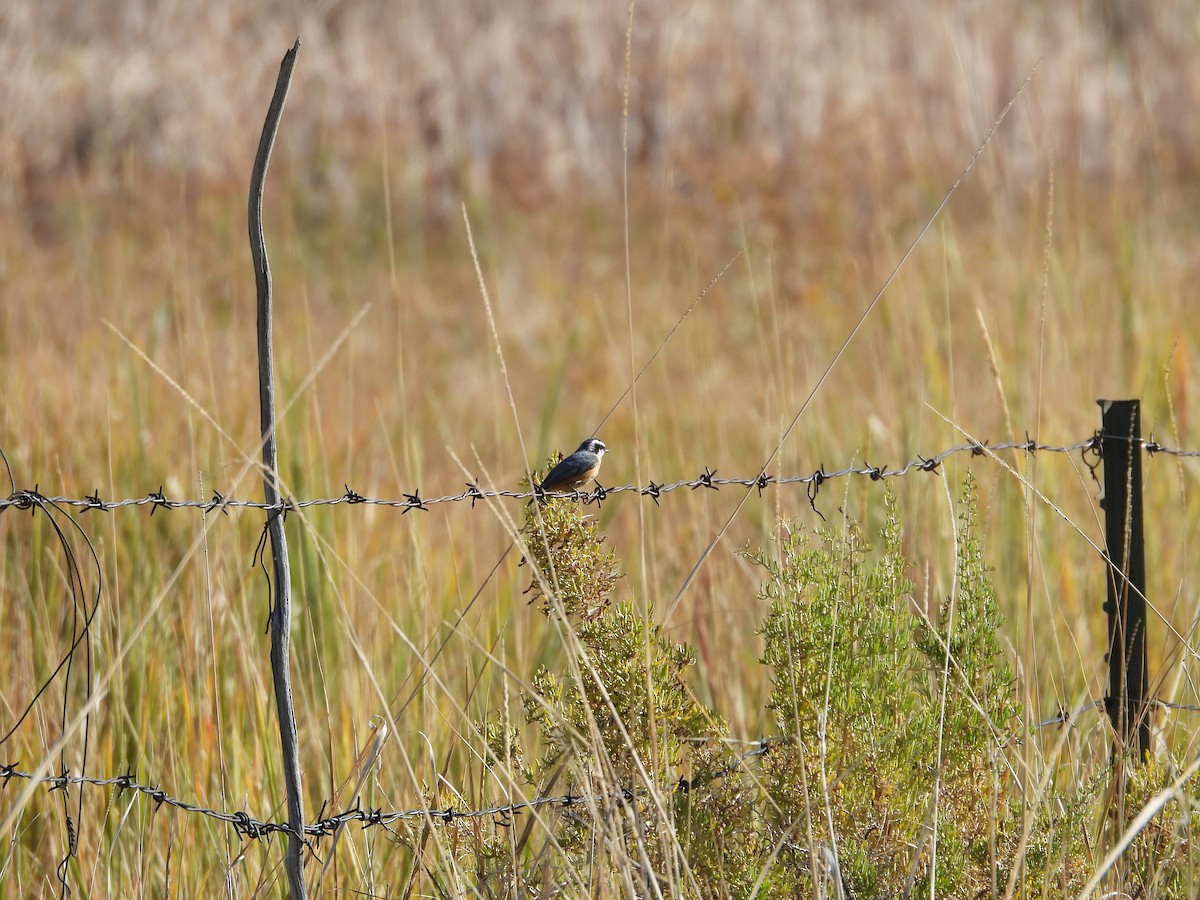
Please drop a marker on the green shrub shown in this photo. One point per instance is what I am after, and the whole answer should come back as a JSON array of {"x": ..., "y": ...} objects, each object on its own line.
[
  {"x": 872, "y": 760},
  {"x": 890, "y": 772},
  {"x": 618, "y": 727}
]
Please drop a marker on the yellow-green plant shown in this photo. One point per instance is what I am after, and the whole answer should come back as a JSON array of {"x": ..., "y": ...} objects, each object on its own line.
[
  {"x": 618, "y": 727},
  {"x": 893, "y": 771}
]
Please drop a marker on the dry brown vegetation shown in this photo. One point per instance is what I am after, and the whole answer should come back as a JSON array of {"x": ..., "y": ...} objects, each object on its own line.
[{"x": 813, "y": 139}]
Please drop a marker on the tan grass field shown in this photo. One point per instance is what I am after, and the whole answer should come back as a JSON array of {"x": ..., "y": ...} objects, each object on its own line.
[{"x": 811, "y": 141}]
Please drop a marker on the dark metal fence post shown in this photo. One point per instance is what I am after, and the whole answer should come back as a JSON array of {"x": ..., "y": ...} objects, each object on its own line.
[{"x": 1121, "y": 447}]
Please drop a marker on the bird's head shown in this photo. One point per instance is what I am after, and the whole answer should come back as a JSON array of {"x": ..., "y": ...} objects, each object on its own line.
[{"x": 593, "y": 445}]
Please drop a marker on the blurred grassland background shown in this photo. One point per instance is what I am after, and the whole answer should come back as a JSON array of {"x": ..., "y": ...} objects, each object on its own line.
[{"x": 812, "y": 138}]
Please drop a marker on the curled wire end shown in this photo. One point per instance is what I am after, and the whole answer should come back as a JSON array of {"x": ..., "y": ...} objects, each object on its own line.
[{"x": 814, "y": 487}]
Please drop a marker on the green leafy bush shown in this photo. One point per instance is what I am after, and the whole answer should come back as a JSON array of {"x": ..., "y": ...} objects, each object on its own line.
[
  {"x": 892, "y": 770},
  {"x": 893, "y": 747}
]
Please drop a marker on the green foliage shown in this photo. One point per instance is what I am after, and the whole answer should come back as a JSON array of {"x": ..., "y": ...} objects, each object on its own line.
[
  {"x": 890, "y": 771},
  {"x": 619, "y": 720},
  {"x": 875, "y": 763},
  {"x": 1162, "y": 860},
  {"x": 627, "y": 693},
  {"x": 574, "y": 574}
]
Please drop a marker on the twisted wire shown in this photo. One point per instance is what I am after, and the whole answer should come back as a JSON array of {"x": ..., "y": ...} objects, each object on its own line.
[{"x": 708, "y": 479}]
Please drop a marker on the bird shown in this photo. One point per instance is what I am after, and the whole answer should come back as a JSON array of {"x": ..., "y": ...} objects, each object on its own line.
[{"x": 577, "y": 469}]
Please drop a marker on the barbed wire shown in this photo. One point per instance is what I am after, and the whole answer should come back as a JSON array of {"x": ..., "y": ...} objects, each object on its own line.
[
  {"x": 156, "y": 500},
  {"x": 1066, "y": 716},
  {"x": 249, "y": 827},
  {"x": 325, "y": 826}
]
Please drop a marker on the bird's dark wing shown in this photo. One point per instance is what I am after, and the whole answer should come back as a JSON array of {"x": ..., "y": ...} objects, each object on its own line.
[{"x": 571, "y": 467}]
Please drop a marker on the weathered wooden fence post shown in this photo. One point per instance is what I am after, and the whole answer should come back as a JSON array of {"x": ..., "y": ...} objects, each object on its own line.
[
  {"x": 281, "y": 611},
  {"x": 1121, "y": 447}
]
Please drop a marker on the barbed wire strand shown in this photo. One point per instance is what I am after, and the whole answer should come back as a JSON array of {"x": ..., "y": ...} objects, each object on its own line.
[
  {"x": 28, "y": 498},
  {"x": 249, "y": 827}
]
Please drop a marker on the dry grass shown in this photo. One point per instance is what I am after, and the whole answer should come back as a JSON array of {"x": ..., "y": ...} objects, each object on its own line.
[{"x": 812, "y": 139}]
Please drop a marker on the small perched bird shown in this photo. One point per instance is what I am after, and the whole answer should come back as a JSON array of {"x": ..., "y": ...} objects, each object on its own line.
[{"x": 577, "y": 469}]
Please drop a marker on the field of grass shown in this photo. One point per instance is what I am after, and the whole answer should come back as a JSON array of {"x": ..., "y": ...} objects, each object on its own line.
[{"x": 806, "y": 142}]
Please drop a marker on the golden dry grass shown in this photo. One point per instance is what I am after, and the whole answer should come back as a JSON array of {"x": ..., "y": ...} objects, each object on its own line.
[{"x": 813, "y": 139}]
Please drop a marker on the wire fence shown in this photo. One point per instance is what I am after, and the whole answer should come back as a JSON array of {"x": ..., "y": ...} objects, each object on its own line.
[
  {"x": 252, "y": 828},
  {"x": 23, "y": 499}
]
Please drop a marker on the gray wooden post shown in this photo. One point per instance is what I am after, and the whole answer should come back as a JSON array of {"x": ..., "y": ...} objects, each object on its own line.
[{"x": 281, "y": 612}]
